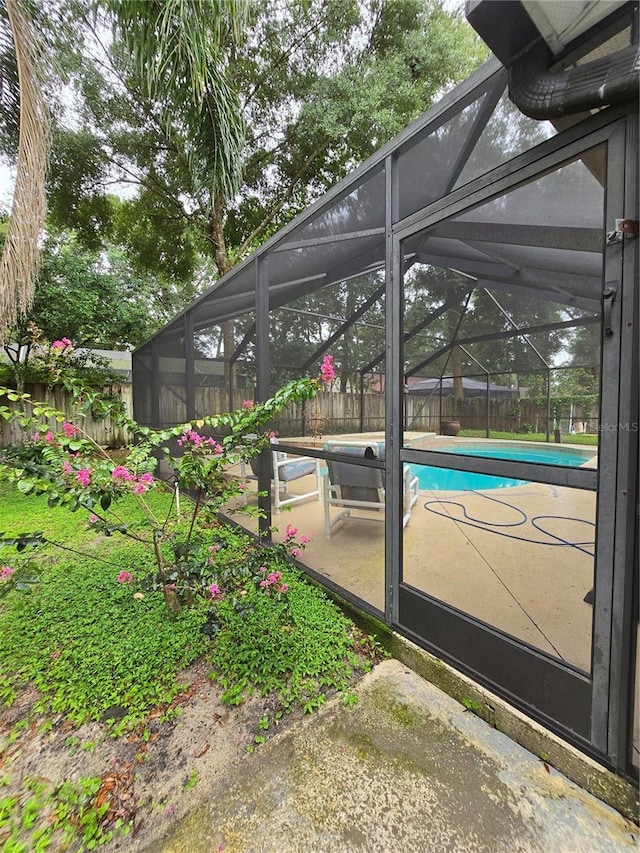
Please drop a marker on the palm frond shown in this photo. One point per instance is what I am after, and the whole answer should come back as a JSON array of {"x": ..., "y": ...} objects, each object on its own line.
[
  {"x": 176, "y": 49},
  {"x": 216, "y": 140},
  {"x": 21, "y": 253},
  {"x": 9, "y": 89}
]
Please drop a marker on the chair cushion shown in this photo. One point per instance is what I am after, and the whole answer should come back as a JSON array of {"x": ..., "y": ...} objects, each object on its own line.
[{"x": 293, "y": 470}]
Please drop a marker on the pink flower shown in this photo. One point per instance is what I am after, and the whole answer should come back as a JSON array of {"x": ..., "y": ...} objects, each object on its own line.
[
  {"x": 304, "y": 540},
  {"x": 145, "y": 481},
  {"x": 122, "y": 475},
  {"x": 290, "y": 532},
  {"x": 93, "y": 518},
  {"x": 49, "y": 436},
  {"x": 83, "y": 476},
  {"x": 296, "y": 552},
  {"x": 125, "y": 577},
  {"x": 247, "y": 404},
  {"x": 214, "y": 590},
  {"x": 61, "y": 345},
  {"x": 272, "y": 435},
  {"x": 327, "y": 370},
  {"x": 190, "y": 436},
  {"x": 273, "y": 582},
  {"x": 69, "y": 430},
  {"x": 67, "y": 467},
  {"x": 55, "y": 655},
  {"x": 6, "y": 572},
  {"x": 36, "y": 436}
]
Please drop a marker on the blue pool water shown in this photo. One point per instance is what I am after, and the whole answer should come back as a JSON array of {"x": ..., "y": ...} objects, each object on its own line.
[{"x": 445, "y": 479}]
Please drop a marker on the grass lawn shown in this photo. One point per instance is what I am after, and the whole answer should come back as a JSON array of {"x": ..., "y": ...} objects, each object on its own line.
[
  {"x": 97, "y": 652},
  {"x": 575, "y": 438},
  {"x": 79, "y": 636}
]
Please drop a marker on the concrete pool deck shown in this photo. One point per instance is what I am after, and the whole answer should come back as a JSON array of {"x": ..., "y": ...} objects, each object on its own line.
[
  {"x": 526, "y": 583},
  {"x": 499, "y": 555}
]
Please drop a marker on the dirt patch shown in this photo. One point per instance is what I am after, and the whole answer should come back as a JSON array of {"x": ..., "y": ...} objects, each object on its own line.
[{"x": 149, "y": 778}]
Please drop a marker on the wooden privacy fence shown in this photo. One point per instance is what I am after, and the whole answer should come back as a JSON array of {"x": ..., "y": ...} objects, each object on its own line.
[
  {"x": 332, "y": 413},
  {"x": 329, "y": 414},
  {"x": 101, "y": 430}
]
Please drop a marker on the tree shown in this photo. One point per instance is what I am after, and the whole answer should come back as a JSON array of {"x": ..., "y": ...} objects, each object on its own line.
[
  {"x": 19, "y": 261},
  {"x": 321, "y": 85},
  {"x": 175, "y": 49},
  {"x": 93, "y": 298}
]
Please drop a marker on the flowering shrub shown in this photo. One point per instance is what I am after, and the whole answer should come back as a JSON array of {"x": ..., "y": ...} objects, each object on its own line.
[
  {"x": 273, "y": 582},
  {"x": 327, "y": 370},
  {"x": 62, "y": 345},
  {"x": 22, "y": 577},
  {"x": 65, "y": 464},
  {"x": 33, "y": 359}
]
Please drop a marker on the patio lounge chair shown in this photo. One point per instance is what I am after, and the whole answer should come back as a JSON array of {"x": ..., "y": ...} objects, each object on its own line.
[
  {"x": 284, "y": 470},
  {"x": 356, "y": 487}
]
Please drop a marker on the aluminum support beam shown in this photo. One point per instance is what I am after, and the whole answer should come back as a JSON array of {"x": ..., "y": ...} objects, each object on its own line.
[
  {"x": 263, "y": 386},
  {"x": 393, "y": 397}
]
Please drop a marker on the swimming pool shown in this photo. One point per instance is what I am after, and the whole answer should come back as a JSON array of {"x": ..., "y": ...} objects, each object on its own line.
[{"x": 446, "y": 479}]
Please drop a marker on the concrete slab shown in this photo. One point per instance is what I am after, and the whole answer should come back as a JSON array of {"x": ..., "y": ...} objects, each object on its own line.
[{"x": 406, "y": 768}]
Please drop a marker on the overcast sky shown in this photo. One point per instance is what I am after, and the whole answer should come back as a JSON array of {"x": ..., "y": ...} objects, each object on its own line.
[{"x": 6, "y": 187}]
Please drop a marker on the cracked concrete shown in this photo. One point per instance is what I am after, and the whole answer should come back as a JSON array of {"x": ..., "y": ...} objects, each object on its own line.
[{"x": 408, "y": 769}]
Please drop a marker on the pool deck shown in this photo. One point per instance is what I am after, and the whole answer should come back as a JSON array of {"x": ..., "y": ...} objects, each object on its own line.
[{"x": 500, "y": 556}]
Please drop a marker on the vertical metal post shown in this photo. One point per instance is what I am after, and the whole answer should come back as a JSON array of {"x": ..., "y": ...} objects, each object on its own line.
[
  {"x": 548, "y": 403},
  {"x": 189, "y": 367},
  {"x": 619, "y": 733},
  {"x": 488, "y": 427},
  {"x": 156, "y": 386},
  {"x": 394, "y": 381},
  {"x": 615, "y": 521},
  {"x": 263, "y": 385}
]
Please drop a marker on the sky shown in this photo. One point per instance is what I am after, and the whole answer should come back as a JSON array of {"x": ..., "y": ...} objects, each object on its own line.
[{"x": 6, "y": 187}]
